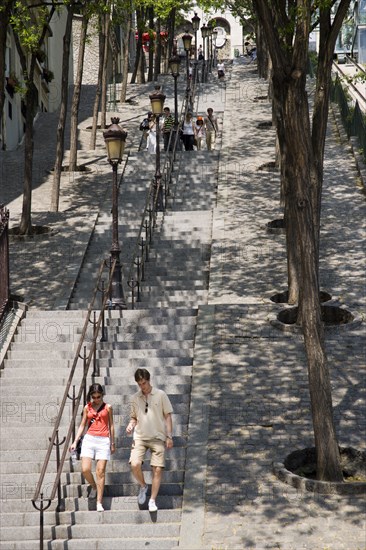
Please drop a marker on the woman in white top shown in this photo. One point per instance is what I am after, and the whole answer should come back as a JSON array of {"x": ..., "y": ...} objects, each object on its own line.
[
  {"x": 188, "y": 132},
  {"x": 151, "y": 138}
]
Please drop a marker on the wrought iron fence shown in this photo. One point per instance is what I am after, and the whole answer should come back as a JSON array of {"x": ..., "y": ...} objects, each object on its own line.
[
  {"x": 352, "y": 117},
  {"x": 4, "y": 261}
]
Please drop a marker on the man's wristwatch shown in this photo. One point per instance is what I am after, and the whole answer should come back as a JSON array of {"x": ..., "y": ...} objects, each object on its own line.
[{"x": 169, "y": 436}]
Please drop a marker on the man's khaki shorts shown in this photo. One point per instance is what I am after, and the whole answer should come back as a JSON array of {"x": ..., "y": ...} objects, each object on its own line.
[{"x": 157, "y": 448}]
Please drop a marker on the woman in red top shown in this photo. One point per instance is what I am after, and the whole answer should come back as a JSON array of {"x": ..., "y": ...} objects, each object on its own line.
[{"x": 98, "y": 442}]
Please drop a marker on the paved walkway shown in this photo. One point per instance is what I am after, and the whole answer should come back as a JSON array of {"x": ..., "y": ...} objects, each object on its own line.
[
  {"x": 253, "y": 385},
  {"x": 250, "y": 403}
]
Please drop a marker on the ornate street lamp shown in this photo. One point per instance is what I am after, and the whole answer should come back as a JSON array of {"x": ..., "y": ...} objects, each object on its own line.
[
  {"x": 187, "y": 41},
  {"x": 195, "y": 25},
  {"x": 115, "y": 140},
  {"x": 157, "y": 99},
  {"x": 214, "y": 36},
  {"x": 204, "y": 31},
  {"x": 174, "y": 64},
  {"x": 209, "y": 45}
]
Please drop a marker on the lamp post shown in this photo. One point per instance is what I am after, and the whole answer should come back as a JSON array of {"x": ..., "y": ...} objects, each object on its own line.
[
  {"x": 214, "y": 36},
  {"x": 204, "y": 36},
  {"x": 157, "y": 99},
  {"x": 209, "y": 45},
  {"x": 174, "y": 63},
  {"x": 187, "y": 40},
  {"x": 115, "y": 140},
  {"x": 195, "y": 25}
]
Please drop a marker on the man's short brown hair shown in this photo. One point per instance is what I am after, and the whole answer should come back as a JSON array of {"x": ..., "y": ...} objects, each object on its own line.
[{"x": 142, "y": 374}]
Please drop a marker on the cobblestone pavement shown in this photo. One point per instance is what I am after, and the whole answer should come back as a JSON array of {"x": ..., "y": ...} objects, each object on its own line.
[{"x": 259, "y": 408}]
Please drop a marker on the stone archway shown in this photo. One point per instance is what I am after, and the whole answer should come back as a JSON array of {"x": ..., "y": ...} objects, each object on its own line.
[{"x": 223, "y": 40}]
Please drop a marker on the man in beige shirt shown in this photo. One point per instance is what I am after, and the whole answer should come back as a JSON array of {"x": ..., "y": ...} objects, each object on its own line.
[{"x": 151, "y": 422}]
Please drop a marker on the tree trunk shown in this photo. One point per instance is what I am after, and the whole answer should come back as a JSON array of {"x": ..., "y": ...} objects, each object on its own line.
[
  {"x": 76, "y": 97},
  {"x": 103, "y": 108},
  {"x": 171, "y": 31},
  {"x": 158, "y": 50},
  {"x": 55, "y": 196},
  {"x": 125, "y": 56},
  {"x": 93, "y": 137},
  {"x": 328, "y": 35},
  {"x": 150, "y": 74},
  {"x": 289, "y": 57},
  {"x": 28, "y": 64},
  {"x": 26, "y": 219},
  {"x": 5, "y": 17},
  {"x": 140, "y": 20}
]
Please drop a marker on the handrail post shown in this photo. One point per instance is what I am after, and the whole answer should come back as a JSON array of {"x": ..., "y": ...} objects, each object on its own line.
[
  {"x": 41, "y": 510},
  {"x": 138, "y": 278},
  {"x": 57, "y": 444},
  {"x": 102, "y": 290},
  {"x": 96, "y": 371},
  {"x": 85, "y": 366},
  {"x": 132, "y": 284},
  {"x": 73, "y": 398},
  {"x": 143, "y": 253}
]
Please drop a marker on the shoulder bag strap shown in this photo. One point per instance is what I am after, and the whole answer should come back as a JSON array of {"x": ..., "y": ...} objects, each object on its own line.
[{"x": 212, "y": 124}]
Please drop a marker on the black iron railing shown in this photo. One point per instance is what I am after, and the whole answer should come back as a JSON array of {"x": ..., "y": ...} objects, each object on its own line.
[
  {"x": 86, "y": 351},
  {"x": 156, "y": 202},
  {"x": 354, "y": 121},
  {"x": 4, "y": 261}
]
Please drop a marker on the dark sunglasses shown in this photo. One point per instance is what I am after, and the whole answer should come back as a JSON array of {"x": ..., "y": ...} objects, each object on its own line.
[{"x": 146, "y": 406}]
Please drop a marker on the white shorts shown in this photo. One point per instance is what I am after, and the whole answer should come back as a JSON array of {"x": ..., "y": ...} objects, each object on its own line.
[{"x": 96, "y": 447}]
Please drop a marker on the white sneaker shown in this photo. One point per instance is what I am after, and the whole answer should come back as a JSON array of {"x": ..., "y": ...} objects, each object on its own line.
[
  {"x": 152, "y": 506},
  {"x": 93, "y": 493},
  {"x": 142, "y": 495},
  {"x": 100, "y": 507}
]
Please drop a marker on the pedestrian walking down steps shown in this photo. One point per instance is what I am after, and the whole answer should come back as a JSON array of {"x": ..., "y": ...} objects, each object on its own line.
[{"x": 152, "y": 428}]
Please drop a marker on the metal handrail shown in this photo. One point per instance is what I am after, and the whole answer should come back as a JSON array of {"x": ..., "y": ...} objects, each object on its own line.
[
  {"x": 4, "y": 260},
  {"x": 38, "y": 495},
  {"x": 148, "y": 221}
]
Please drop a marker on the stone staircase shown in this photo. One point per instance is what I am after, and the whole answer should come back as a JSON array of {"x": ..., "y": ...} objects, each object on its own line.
[{"x": 158, "y": 335}]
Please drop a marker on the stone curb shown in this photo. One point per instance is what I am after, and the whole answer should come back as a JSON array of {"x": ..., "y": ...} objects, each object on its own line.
[
  {"x": 194, "y": 493},
  {"x": 315, "y": 486}
]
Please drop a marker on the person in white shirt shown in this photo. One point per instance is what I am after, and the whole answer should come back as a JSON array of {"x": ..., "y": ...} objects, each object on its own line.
[
  {"x": 151, "y": 422},
  {"x": 220, "y": 70},
  {"x": 212, "y": 129}
]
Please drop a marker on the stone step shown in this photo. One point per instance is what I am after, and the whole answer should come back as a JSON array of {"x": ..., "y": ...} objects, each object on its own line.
[
  {"x": 119, "y": 460},
  {"x": 22, "y": 506},
  {"x": 113, "y": 479},
  {"x": 143, "y": 353},
  {"x": 153, "y": 364},
  {"x": 87, "y": 516},
  {"x": 172, "y": 385},
  {"x": 154, "y": 314},
  {"x": 191, "y": 300},
  {"x": 16, "y": 372},
  {"x": 117, "y": 465},
  {"x": 149, "y": 332},
  {"x": 94, "y": 531},
  {"x": 169, "y": 351},
  {"x": 121, "y": 489},
  {"x": 136, "y": 343}
]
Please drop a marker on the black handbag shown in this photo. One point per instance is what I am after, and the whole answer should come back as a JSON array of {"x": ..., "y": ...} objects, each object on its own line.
[{"x": 78, "y": 447}]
